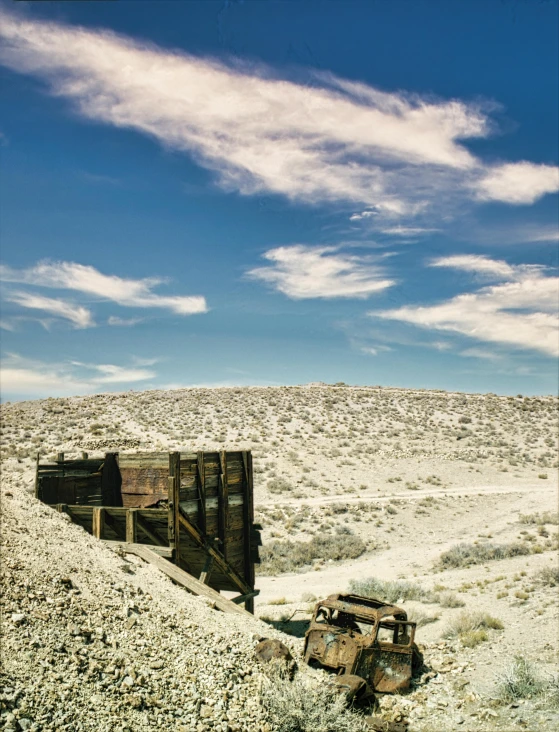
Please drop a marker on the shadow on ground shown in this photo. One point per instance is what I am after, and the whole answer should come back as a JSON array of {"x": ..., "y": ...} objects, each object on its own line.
[{"x": 298, "y": 628}]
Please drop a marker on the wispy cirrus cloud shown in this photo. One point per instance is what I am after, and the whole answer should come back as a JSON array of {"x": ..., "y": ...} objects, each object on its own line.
[
  {"x": 334, "y": 140},
  {"x": 22, "y": 377},
  {"x": 79, "y": 316},
  {"x": 520, "y": 311},
  {"x": 303, "y": 272},
  {"x": 88, "y": 280}
]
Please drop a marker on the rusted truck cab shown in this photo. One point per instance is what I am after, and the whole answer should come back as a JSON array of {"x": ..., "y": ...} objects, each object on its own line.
[{"x": 359, "y": 636}]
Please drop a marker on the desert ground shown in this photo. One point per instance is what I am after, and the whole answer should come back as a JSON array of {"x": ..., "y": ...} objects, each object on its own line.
[{"x": 444, "y": 503}]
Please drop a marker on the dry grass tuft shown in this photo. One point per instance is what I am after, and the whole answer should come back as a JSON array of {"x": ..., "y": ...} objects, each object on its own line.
[
  {"x": 303, "y": 706},
  {"x": 465, "y": 555},
  {"x": 278, "y": 557},
  {"x": 470, "y": 627}
]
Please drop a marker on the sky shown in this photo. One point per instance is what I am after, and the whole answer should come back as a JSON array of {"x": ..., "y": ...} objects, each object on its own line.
[{"x": 275, "y": 193}]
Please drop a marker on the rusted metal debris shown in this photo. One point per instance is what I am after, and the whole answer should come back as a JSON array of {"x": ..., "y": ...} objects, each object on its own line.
[
  {"x": 354, "y": 636},
  {"x": 270, "y": 648}
]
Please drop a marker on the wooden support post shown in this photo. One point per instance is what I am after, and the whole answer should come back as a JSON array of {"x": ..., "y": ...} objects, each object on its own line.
[
  {"x": 37, "y": 478},
  {"x": 170, "y": 512},
  {"x": 84, "y": 456},
  {"x": 201, "y": 493},
  {"x": 175, "y": 479},
  {"x": 205, "y": 574},
  {"x": 60, "y": 457},
  {"x": 248, "y": 516},
  {"x": 223, "y": 503},
  {"x": 97, "y": 522},
  {"x": 131, "y": 525},
  {"x": 62, "y": 507}
]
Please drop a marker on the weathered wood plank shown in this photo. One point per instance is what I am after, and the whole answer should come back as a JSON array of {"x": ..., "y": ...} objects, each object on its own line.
[
  {"x": 150, "y": 531},
  {"x": 98, "y": 522},
  {"x": 186, "y": 580},
  {"x": 243, "y": 598},
  {"x": 162, "y": 551},
  {"x": 201, "y": 493},
  {"x": 132, "y": 525},
  {"x": 219, "y": 560}
]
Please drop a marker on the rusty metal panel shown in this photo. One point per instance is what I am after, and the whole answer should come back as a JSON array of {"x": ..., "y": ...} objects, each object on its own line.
[{"x": 343, "y": 637}]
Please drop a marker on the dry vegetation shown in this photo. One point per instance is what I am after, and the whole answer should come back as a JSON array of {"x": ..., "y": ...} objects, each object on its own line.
[{"x": 442, "y": 502}]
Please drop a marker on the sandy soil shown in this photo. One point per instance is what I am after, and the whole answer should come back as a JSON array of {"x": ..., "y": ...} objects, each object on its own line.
[{"x": 409, "y": 473}]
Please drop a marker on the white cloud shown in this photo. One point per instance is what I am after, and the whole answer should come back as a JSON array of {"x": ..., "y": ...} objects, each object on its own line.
[
  {"x": 20, "y": 376},
  {"x": 374, "y": 351},
  {"x": 88, "y": 280},
  {"x": 111, "y": 374},
  {"x": 319, "y": 272},
  {"x": 481, "y": 353},
  {"x": 81, "y": 317},
  {"x": 520, "y": 312},
  {"x": 335, "y": 140},
  {"x": 408, "y": 230},
  {"x": 518, "y": 183},
  {"x": 496, "y": 268},
  {"x": 115, "y": 320}
]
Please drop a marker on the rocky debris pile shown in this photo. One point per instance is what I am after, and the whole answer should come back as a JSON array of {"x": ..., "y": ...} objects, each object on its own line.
[{"x": 94, "y": 641}]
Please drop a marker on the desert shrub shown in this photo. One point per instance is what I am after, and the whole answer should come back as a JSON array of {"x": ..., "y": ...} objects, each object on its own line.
[
  {"x": 449, "y": 599},
  {"x": 549, "y": 576},
  {"x": 546, "y": 517},
  {"x": 278, "y": 485},
  {"x": 303, "y": 706},
  {"x": 278, "y": 557},
  {"x": 473, "y": 638},
  {"x": 465, "y": 627},
  {"x": 521, "y": 680},
  {"x": 390, "y": 590},
  {"x": 419, "y": 616},
  {"x": 464, "y": 555}
]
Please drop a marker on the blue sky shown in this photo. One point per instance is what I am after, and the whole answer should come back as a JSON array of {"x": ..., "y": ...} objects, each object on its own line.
[{"x": 278, "y": 193}]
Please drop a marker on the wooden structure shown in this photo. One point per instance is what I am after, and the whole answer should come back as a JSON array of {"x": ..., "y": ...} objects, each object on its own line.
[{"x": 195, "y": 509}]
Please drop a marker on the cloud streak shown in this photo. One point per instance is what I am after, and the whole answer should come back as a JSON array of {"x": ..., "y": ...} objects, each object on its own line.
[
  {"x": 335, "y": 140},
  {"x": 303, "y": 272},
  {"x": 520, "y": 311},
  {"x": 20, "y": 376},
  {"x": 89, "y": 281},
  {"x": 79, "y": 316}
]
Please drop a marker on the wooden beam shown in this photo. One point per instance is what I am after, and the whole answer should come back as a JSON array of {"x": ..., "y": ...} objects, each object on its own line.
[
  {"x": 248, "y": 521},
  {"x": 174, "y": 498},
  {"x": 186, "y": 580},
  {"x": 245, "y": 598},
  {"x": 207, "y": 570},
  {"x": 131, "y": 525},
  {"x": 148, "y": 531},
  {"x": 37, "y": 477},
  {"x": 170, "y": 512},
  {"x": 162, "y": 551},
  {"x": 219, "y": 560},
  {"x": 97, "y": 522},
  {"x": 201, "y": 493},
  {"x": 223, "y": 503}
]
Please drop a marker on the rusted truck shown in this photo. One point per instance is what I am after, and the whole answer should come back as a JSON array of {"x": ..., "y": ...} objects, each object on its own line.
[{"x": 368, "y": 644}]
